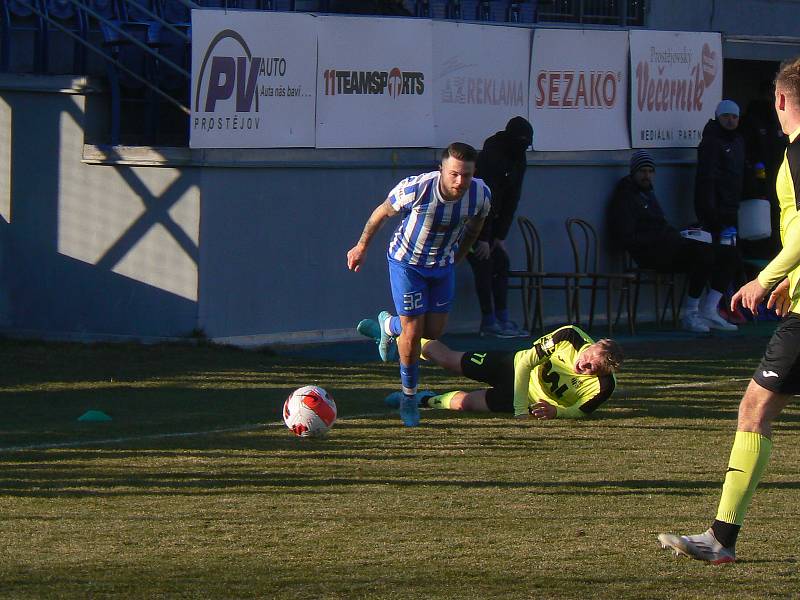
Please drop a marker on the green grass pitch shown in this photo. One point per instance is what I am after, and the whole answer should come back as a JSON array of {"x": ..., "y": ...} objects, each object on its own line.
[{"x": 196, "y": 490}]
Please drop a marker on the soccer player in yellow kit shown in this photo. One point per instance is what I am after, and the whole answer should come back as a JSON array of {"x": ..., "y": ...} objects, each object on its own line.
[
  {"x": 565, "y": 374},
  {"x": 777, "y": 378}
]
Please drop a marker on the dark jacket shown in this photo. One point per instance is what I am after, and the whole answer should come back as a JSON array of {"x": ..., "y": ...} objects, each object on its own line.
[
  {"x": 501, "y": 164},
  {"x": 719, "y": 178},
  {"x": 636, "y": 222}
]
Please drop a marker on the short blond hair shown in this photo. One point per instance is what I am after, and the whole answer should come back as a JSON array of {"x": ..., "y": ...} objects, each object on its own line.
[
  {"x": 612, "y": 354},
  {"x": 787, "y": 81}
]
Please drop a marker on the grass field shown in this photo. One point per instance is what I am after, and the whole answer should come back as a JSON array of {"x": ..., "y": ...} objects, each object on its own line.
[{"x": 196, "y": 490}]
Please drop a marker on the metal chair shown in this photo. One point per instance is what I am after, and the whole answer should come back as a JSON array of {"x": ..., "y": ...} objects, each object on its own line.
[
  {"x": 586, "y": 253},
  {"x": 533, "y": 280}
]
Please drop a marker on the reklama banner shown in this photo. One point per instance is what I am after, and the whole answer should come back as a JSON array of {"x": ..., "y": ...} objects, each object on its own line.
[
  {"x": 374, "y": 83},
  {"x": 480, "y": 80},
  {"x": 579, "y": 86},
  {"x": 676, "y": 84},
  {"x": 253, "y": 79}
]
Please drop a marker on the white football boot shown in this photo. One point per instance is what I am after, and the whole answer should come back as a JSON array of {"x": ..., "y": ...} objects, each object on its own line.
[{"x": 703, "y": 546}]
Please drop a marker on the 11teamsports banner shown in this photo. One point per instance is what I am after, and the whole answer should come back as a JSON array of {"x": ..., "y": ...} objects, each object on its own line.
[
  {"x": 263, "y": 79},
  {"x": 253, "y": 79},
  {"x": 480, "y": 80},
  {"x": 676, "y": 84},
  {"x": 374, "y": 83},
  {"x": 579, "y": 87}
]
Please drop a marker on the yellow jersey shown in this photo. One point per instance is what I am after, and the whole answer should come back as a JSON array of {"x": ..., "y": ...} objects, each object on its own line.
[
  {"x": 546, "y": 372},
  {"x": 787, "y": 262}
]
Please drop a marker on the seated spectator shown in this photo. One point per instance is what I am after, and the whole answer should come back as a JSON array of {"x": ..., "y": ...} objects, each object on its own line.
[{"x": 638, "y": 225}]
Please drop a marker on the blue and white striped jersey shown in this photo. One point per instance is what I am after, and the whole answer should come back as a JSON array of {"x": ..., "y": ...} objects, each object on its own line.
[{"x": 431, "y": 228}]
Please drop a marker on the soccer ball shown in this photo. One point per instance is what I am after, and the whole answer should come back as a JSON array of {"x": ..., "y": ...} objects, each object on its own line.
[{"x": 309, "y": 411}]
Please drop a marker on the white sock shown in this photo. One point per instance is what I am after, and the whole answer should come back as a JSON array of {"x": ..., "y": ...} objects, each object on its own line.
[
  {"x": 387, "y": 326},
  {"x": 711, "y": 302},
  {"x": 691, "y": 305}
]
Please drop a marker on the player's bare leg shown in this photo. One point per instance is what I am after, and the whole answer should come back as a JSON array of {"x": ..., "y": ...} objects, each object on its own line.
[
  {"x": 474, "y": 401},
  {"x": 435, "y": 324},
  {"x": 749, "y": 456},
  {"x": 440, "y": 354}
]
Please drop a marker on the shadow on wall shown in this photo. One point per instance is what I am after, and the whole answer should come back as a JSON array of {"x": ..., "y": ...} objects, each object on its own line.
[{"x": 97, "y": 250}]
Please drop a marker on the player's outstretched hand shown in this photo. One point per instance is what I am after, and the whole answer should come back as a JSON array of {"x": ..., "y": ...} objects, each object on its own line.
[
  {"x": 355, "y": 256},
  {"x": 779, "y": 298},
  {"x": 543, "y": 410},
  {"x": 749, "y": 295}
]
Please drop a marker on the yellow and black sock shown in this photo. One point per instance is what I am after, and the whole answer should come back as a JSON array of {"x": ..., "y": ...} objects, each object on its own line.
[
  {"x": 422, "y": 343},
  {"x": 749, "y": 457},
  {"x": 442, "y": 401}
]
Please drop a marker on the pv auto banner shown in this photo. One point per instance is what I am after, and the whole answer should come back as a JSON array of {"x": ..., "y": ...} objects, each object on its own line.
[
  {"x": 253, "y": 79},
  {"x": 579, "y": 85},
  {"x": 481, "y": 80},
  {"x": 676, "y": 84},
  {"x": 374, "y": 87}
]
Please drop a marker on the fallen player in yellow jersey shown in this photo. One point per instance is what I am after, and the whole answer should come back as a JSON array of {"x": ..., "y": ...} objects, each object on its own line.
[{"x": 565, "y": 375}]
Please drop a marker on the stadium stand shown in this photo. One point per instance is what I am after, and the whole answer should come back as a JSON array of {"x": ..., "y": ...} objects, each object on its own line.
[
  {"x": 142, "y": 48},
  {"x": 23, "y": 29}
]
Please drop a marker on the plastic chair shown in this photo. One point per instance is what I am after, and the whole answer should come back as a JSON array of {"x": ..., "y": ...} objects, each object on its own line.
[
  {"x": 533, "y": 280},
  {"x": 585, "y": 251}
]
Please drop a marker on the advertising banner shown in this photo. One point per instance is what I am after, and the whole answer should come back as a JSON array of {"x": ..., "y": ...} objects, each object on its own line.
[
  {"x": 480, "y": 80},
  {"x": 579, "y": 86},
  {"x": 676, "y": 84},
  {"x": 374, "y": 87},
  {"x": 253, "y": 79}
]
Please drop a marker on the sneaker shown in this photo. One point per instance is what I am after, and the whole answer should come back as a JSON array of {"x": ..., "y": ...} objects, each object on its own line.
[
  {"x": 393, "y": 399},
  {"x": 387, "y": 347},
  {"x": 409, "y": 410},
  {"x": 369, "y": 328},
  {"x": 732, "y": 316},
  {"x": 692, "y": 321},
  {"x": 513, "y": 330},
  {"x": 715, "y": 321},
  {"x": 496, "y": 329},
  {"x": 703, "y": 546}
]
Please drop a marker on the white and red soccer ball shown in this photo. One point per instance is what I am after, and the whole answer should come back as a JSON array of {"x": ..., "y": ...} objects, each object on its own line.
[{"x": 309, "y": 411}]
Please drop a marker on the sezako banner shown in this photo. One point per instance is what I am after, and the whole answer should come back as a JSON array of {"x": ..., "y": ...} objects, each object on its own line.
[
  {"x": 676, "y": 84},
  {"x": 480, "y": 80},
  {"x": 374, "y": 83},
  {"x": 253, "y": 79},
  {"x": 579, "y": 88}
]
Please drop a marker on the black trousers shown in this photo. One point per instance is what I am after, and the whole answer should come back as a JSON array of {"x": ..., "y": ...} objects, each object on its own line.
[
  {"x": 491, "y": 280},
  {"x": 712, "y": 264}
]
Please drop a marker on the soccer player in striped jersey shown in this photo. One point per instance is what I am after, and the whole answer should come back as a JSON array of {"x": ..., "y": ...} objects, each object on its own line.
[
  {"x": 442, "y": 214},
  {"x": 564, "y": 375},
  {"x": 777, "y": 377}
]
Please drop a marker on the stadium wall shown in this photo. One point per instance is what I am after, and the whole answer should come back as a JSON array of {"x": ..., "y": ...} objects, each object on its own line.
[{"x": 246, "y": 247}]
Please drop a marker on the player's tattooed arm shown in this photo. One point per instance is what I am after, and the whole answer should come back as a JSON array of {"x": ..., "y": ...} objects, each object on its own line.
[
  {"x": 471, "y": 232},
  {"x": 356, "y": 254}
]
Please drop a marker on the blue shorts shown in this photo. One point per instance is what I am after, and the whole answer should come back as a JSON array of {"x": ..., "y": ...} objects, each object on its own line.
[{"x": 419, "y": 290}]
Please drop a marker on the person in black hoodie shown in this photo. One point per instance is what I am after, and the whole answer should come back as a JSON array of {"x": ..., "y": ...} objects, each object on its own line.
[
  {"x": 501, "y": 164},
  {"x": 637, "y": 224},
  {"x": 719, "y": 178}
]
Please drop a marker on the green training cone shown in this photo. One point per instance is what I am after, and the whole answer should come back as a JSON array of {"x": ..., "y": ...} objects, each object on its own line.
[{"x": 94, "y": 416}]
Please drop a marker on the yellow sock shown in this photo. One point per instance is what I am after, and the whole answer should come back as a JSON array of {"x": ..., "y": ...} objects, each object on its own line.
[
  {"x": 441, "y": 401},
  {"x": 422, "y": 343},
  {"x": 749, "y": 457}
]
